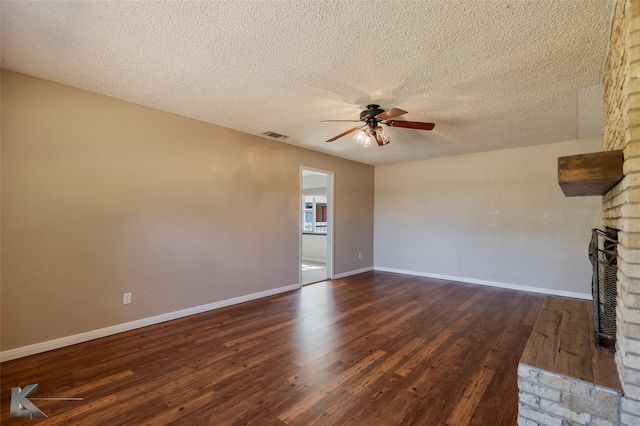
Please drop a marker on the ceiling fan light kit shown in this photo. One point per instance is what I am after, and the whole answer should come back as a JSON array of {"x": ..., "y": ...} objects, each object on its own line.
[
  {"x": 372, "y": 132},
  {"x": 364, "y": 138},
  {"x": 368, "y": 137},
  {"x": 381, "y": 136}
]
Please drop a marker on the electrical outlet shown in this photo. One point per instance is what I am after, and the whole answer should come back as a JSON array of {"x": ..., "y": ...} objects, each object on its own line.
[
  {"x": 127, "y": 299},
  {"x": 458, "y": 262},
  {"x": 359, "y": 255}
]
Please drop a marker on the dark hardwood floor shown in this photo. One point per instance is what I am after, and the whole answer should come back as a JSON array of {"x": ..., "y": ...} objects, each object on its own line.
[{"x": 371, "y": 349}]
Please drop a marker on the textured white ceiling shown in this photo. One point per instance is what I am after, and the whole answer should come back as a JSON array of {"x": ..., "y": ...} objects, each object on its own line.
[{"x": 490, "y": 74}]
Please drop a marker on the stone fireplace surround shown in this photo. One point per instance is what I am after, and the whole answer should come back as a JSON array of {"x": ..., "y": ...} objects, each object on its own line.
[
  {"x": 621, "y": 205},
  {"x": 620, "y": 210}
]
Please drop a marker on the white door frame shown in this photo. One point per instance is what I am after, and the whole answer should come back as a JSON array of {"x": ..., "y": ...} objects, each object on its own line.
[{"x": 330, "y": 220}]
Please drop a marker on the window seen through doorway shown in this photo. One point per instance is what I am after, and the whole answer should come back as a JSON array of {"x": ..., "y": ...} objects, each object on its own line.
[{"x": 314, "y": 208}]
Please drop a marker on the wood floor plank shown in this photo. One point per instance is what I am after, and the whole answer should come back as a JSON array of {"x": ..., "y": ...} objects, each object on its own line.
[
  {"x": 313, "y": 400},
  {"x": 369, "y": 380},
  {"x": 465, "y": 407},
  {"x": 574, "y": 356},
  {"x": 371, "y": 349},
  {"x": 543, "y": 342}
]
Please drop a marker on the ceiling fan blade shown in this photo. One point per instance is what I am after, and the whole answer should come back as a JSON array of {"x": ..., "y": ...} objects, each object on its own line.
[
  {"x": 343, "y": 134},
  {"x": 339, "y": 121},
  {"x": 393, "y": 112},
  {"x": 410, "y": 124}
]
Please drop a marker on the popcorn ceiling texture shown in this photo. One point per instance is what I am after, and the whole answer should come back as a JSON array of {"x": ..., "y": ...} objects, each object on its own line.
[{"x": 490, "y": 74}]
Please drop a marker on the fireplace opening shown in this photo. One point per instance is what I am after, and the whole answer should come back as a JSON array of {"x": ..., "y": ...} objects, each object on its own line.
[{"x": 603, "y": 254}]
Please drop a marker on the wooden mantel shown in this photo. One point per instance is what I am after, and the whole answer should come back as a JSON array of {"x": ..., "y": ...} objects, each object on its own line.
[{"x": 589, "y": 174}]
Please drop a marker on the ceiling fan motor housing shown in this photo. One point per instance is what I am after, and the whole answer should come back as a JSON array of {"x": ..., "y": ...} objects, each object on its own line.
[{"x": 370, "y": 113}]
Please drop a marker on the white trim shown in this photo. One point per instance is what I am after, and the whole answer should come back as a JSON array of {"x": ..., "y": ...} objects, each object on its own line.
[
  {"x": 119, "y": 328},
  {"x": 354, "y": 272},
  {"x": 330, "y": 190},
  {"x": 550, "y": 291}
]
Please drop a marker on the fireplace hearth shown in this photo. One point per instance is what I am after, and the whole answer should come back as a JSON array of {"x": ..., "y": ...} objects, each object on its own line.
[{"x": 603, "y": 255}]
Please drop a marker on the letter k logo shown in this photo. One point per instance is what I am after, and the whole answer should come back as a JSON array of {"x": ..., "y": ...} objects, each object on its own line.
[{"x": 20, "y": 404}]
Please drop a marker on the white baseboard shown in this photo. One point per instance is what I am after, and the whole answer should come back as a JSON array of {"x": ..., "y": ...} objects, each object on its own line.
[
  {"x": 119, "y": 328},
  {"x": 314, "y": 259},
  {"x": 549, "y": 291},
  {"x": 354, "y": 272}
]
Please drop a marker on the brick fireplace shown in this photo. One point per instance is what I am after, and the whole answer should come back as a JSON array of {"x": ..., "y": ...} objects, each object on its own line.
[
  {"x": 549, "y": 397},
  {"x": 621, "y": 205}
]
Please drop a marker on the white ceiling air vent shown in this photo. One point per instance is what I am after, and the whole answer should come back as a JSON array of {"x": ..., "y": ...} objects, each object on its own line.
[{"x": 275, "y": 135}]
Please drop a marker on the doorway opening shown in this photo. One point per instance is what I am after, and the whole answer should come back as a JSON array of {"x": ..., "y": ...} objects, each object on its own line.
[{"x": 316, "y": 226}]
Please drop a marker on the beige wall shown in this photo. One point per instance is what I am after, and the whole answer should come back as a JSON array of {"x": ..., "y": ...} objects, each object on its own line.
[
  {"x": 502, "y": 214},
  {"x": 102, "y": 197}
]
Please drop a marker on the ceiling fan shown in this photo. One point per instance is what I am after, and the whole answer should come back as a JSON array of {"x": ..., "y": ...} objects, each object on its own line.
[{"x": 372, "y": 132}]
